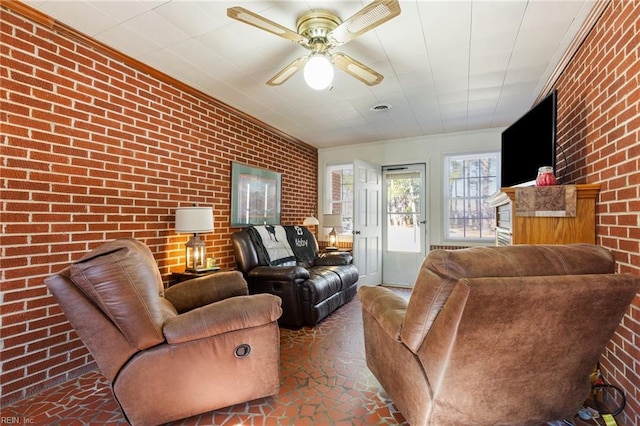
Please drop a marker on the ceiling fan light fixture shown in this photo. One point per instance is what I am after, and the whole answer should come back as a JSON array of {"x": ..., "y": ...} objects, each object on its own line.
[
  {"x": 318, "y": 72},
  {"x": 320, "y": 31}
]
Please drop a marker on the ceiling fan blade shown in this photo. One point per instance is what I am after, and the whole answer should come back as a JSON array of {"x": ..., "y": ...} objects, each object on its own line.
[
  {"x": 369, "y": 17},
  {"x": 288, "y": 71},
  {"x": 243, "y": 15},
  {"x": 356, "y": 69}
]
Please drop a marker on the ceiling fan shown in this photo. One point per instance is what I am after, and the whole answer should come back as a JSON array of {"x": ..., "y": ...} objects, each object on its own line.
[{"x": 320, "y": 31}]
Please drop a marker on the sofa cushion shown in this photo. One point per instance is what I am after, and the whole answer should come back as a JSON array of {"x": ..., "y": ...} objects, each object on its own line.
[
  {"x": 323, "y": 282},
  {"x": 348, "y": 274}
]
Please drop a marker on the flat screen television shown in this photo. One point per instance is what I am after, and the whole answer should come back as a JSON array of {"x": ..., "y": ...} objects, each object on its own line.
[{"x": 529, "y": 144}]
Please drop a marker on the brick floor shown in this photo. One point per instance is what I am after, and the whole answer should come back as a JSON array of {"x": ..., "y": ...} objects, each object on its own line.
[{"x": 324, "y": 381}]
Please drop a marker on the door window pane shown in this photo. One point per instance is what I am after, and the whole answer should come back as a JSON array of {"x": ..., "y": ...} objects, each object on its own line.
[{"x": 403, "y": 211}]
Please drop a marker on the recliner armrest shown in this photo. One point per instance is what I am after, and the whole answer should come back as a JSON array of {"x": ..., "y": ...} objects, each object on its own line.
[
  {"x": 333, "y": 259},
  {"x": 225, "y": 316},
  {"x": 386, "y": 307},
  {"x": 205, "y": 290},
  {"x": 277, "y": 273}
]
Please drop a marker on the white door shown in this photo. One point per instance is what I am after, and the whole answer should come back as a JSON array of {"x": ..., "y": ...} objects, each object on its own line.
[
  {"x": 404, "y": 223},
  {"x": 367, "y": 223}
]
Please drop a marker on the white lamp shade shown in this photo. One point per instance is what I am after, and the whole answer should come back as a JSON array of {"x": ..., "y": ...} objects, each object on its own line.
[
  {"x": 318, "y": 72},
  {"x": 310, "y": 221},
  {"x": 194, "y": 219},
  {"x": 332, "y": 221}
]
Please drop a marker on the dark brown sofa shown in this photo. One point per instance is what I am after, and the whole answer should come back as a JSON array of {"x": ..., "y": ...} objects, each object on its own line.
[
  {"x": 496, "y": 335},
  {"x": 201, "y": 345},
  {"x": 310, "y": 284}
]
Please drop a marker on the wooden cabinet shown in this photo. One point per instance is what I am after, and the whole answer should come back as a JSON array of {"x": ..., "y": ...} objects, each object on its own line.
[{"x": 515, "y": 229}]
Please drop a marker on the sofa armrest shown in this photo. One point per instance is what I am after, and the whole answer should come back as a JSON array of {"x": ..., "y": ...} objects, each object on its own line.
[
  {"x": 205, "y": 290},
  {"x": 334, "y": 259},
  {"x": 278, "y": 273},
  {"x": 235, "y": 313},
  {"x": 386, "y": 307}
]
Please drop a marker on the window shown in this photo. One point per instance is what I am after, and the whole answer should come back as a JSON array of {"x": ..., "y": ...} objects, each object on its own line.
[
  {"x": 340, "y": 195},
  {"x": 471, "y": 180}
]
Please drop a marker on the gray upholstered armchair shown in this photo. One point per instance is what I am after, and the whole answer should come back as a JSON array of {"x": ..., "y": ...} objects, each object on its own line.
[
  {"x": 496, "y": 335},
  {"x": 201, "y": 345}
]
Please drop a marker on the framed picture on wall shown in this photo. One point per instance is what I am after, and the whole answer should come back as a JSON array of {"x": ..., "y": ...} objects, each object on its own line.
[{"x": 255, "y": 196}]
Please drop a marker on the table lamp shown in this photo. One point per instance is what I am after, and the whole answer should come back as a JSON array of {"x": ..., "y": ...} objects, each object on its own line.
[
  {"x": 332, "y": 221},
  {"x": 194, "y": 220}
]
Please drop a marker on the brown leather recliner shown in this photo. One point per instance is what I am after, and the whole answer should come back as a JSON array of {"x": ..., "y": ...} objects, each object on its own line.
[
  {"x": 496, "y": 335},
  {"x": 201, "y": 345}
]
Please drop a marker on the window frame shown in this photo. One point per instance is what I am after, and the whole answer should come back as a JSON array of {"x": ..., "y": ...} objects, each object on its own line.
[
  {"x": 330, "y": 202},
  {"x": 483, "y": 197}
]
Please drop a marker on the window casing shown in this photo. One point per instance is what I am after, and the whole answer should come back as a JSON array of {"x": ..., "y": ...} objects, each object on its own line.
[
  {"x": 471, "y": 180},
  {"x": 339, "y": 198}
]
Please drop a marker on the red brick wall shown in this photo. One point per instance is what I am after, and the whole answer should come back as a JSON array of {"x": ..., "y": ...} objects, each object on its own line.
[
  {"x": 93, "y": 149},
  {"x": 599, "y": 129}
]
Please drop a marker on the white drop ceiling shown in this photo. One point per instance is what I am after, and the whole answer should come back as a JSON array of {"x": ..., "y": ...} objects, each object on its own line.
[{"x": 448, "y": 66}]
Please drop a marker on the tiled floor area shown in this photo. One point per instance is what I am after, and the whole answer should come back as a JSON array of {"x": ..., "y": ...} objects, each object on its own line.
[{"x": 325, "y": 381}]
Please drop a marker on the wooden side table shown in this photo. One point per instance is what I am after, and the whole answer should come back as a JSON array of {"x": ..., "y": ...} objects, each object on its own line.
[{"x": 178, "y": 277}]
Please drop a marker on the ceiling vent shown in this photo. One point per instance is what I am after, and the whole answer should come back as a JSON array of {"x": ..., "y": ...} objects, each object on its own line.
[{"x": 380, "y": 107}]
